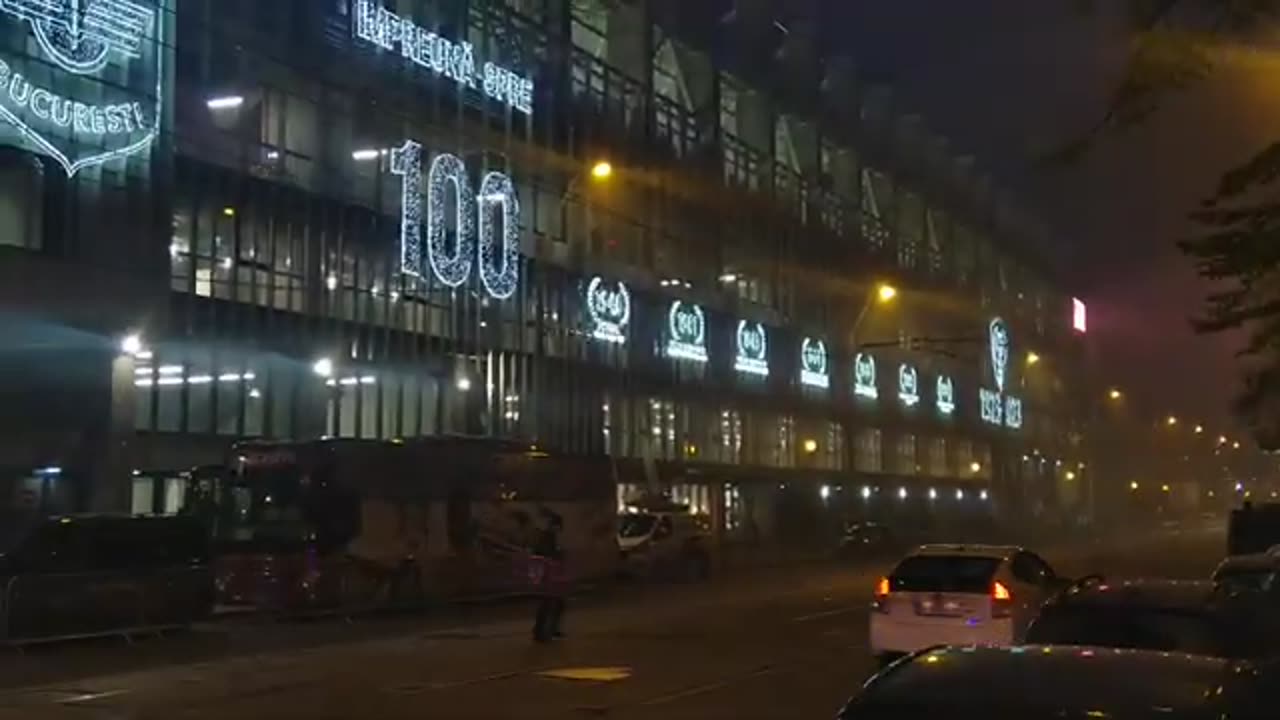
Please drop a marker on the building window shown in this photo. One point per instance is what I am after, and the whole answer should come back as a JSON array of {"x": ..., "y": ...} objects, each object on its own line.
[
  {"x": 784, "y": 444},
  {"x": 733, "y": 508},
  {"x": 905, "y": 462},
  {"x": 867, "y": 455},
  {"x": 835, "y": 446},
  {"x": 696, "y": 497},
  {"x": 731, "y": 437},
  {"x": 938, "y": 457}
]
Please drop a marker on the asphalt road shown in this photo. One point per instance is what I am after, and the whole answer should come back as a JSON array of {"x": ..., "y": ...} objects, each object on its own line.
[{"x": 786, "y": 643}]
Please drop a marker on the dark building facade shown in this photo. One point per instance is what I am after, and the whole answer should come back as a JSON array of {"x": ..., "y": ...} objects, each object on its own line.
[{"x": 629, "y": 228}]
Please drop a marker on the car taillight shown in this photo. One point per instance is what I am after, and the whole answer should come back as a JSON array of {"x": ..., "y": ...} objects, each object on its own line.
[
  {"x": 882, "y": 595},
  {"x": 1001, "y": 600}
]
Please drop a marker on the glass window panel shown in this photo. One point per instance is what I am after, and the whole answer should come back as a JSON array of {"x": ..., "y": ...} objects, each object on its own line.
[
  {"x": 142, "y": 500},
  {"x": 346, "y": 411},
  {"x": 175, "y": 490},
  {"x": 200, "y": 379},
  {"x": 389, "y": 389},
  {"x": 281, "y": 391},
  {"x": 143, "y": 394},
  {"x": 368, "y": 408},
  {"x": 409, "y": 402}
]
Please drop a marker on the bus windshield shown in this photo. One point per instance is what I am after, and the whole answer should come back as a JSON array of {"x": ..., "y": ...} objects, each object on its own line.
[{"x": 264, "y": 507}]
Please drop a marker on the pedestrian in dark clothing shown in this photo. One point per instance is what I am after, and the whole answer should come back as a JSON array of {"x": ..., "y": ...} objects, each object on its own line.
[{"x": 548, "y": 552}]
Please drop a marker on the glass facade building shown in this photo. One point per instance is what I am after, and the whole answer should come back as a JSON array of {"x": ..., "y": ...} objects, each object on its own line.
[{"x": 700, "y": 308}]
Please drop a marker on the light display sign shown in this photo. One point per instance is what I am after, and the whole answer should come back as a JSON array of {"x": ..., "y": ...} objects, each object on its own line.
[
  {"x": 94, "y": 95},
  {"x": 864, "y": 377},
  {"x": 474, "y": 223},
  {"x": 375, "y": 24},
  {"x": 608, "y": 310},
  {"x": 992, "y": 406},
  {"x": 908, "y": 385},
  {"x": 998, "y": 346},
  {"x": 1079, "y": 316},
  {"x": 945, "y": 395},
  {"x": 1013, "y": 412},
  {"x": 995, "y": 407},
  {"x": 686, "y": 332},
  {"x": 814, "y": 364},
  {"x": 753, "y": 349}
]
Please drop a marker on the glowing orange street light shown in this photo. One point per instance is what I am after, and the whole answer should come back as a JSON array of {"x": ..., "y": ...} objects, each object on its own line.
[{"x": 602, "y": 170}]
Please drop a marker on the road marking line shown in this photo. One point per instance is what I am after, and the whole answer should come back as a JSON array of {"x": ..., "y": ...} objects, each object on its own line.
[
  {"x": 703, "y": 689},
  {"x": 477, "y": 681},
  {"x": 824, "y": 614}
]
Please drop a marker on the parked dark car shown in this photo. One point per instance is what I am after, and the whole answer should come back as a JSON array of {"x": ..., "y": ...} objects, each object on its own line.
[
  {"x": 76, "y": 576},
  {"x": 863, "y": 540},
  {"x": 1253, "y": 529},
  {"x": 1063, "y": 683},
  {"x": 1167, "y": 615}
]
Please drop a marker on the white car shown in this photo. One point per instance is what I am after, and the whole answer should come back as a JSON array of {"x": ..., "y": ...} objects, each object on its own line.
[{"x": 959, "y": 595}]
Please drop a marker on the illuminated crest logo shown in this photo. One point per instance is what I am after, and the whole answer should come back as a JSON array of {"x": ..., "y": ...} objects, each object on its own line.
[
  {"x": 864, "y": 376},
  {"x": 813, "y": 364},
  {"x": 946, "y": 395},
  {"x": 609, "y": 308},
  {"x": 908, "y": 385},
  {"x": 753, "y": 349},
  {"x": 999, "y": 341},
  {"x": 686, "y": 332},
  {"x": 84, "y": 38}
]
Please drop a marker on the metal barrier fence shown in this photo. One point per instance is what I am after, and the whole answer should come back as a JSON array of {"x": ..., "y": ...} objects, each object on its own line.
[{"x": 62, "y": 606}]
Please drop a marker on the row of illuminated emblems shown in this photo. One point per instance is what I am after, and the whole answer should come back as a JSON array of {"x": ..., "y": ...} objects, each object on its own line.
[
  {"x": 865, "y": 384},
  {"x": 608, "y": 305},
  {"x": 82, "y": 124}
]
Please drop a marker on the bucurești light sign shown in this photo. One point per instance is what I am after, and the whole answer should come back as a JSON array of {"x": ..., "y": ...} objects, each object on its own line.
[
  {"x": 474, "y": 223},
  {"x": 455, "y": 60},
  {"x": 78, "y": 123}
]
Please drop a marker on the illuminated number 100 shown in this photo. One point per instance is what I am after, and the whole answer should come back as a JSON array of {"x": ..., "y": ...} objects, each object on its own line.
[{"x": 499, "y": 259}]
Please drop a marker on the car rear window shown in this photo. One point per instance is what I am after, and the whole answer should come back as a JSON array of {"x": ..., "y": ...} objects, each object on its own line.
[
  {"x": 1133, "y": 628},
  {"x": 944, "y": 573},
  {"x": 1238, "y": 580}
]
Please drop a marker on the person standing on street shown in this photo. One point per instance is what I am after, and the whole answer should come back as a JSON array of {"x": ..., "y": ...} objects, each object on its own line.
[{"x": 548, "y": 551}]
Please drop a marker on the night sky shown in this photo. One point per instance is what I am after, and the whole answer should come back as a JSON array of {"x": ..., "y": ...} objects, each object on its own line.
[{"x": 1004, "y": 79}]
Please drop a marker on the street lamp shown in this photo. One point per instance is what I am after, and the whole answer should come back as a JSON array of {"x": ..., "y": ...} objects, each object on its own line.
[
  {"x": 1222, "y": 439},
  {"x": 1235, "y": 445},
  {"x": 975, "y": 467},
  {"x": 810, "y": 446},
  {"x": 1133, "y": 486},
  {"x": 1114, "y": 394},
  {"x": 1171, "y": 421},
  {"x": 323, "y": 367},
  {"x": 886, "y": 292},
  {"x": 131, "y": 344},
  {"x": 1199, "y": 429},
  {"x": 602, "y": 170},
  {"x": 1070, "y": 475},
  {"x": 1032, "y": 358}
]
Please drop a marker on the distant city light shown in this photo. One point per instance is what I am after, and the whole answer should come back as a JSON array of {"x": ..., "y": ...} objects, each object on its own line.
[
  {"x": 886, "y": 292},
  {"x": 227, "y": 102}
]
